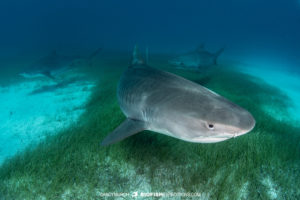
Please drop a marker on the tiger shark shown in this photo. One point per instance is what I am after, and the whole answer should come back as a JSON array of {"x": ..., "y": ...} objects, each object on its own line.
[
  {"x": 196, "y": 59},
  {"x": 54, "y": 64},
  {"x": 165, "y": 103}
]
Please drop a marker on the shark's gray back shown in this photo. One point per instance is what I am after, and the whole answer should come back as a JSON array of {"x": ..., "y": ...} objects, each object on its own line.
[{"x": 143, "y": 87}]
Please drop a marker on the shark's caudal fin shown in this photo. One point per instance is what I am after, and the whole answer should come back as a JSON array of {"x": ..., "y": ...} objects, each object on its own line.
[
  {"x": 128, "y": 128},
  {"x": 136, "y": 57},
  {"x": 217, "y": 54}
]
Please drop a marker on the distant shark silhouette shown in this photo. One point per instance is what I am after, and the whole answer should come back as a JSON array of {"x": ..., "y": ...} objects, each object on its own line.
[
  {"x": 53, "y": 87},
  {"x": 196, "y": 59},
  {"x": 54, "y": 64},
  {"x": 165, "y": 103}
]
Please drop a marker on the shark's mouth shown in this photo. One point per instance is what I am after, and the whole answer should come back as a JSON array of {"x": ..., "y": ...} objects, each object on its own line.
[{"x": 218, "y": 138}]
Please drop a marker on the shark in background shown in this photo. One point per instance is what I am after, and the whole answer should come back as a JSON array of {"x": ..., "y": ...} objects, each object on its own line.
[
  {"x": 165, "y": 103},
  {"x": 55, "y": 64},
  {"x": 196, "y": 59}
]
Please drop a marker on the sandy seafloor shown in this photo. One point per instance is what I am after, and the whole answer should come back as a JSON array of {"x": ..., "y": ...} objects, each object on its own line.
[
  {"x": 283, "y": 76},
  {"x": 26, "y": 119},
  {"x": 30, "y": 112}
]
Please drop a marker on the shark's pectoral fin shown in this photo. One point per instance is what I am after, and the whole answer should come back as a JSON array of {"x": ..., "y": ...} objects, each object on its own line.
[{"x": 128, "y": 128}]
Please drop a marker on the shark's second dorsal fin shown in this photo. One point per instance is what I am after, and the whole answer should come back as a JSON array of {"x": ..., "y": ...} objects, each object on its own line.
[
  {"x": 128, "y": 128},
  {"x": 136, "y": 57}
]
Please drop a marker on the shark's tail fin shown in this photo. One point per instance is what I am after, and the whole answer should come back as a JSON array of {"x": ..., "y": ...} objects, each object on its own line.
[
  {"x": 136, "y": 57},
  {"x": 217, "y": 54}
]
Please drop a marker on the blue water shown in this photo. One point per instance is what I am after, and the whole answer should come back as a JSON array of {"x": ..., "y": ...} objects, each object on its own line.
[
  {"x": 162, "y": 25},
  {"x": 261, "y": 38}
]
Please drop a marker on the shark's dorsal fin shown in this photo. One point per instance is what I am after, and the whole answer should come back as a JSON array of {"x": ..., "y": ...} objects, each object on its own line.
[
  {"x": 128, "y": 128},
  {"x": 136, "y": 57}
]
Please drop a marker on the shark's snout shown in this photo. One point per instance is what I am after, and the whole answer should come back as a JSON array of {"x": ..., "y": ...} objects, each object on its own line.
[{"x": 247, "y": 123}]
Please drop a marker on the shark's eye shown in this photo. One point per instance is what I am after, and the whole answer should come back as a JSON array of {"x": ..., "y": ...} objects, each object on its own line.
[{"x": 211, "y": 126}]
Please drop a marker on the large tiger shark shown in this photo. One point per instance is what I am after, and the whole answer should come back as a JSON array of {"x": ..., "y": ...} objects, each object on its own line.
[
  {"x": 163, "y": 102},
  {"x": 54, "y": 64},
  {"x": 196, "y": 59}
]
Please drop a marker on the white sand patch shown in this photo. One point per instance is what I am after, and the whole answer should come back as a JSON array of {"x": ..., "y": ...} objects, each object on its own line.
[
  {"x": 272, "y": 192},
  {"x": 244, "y": 191},
  {"x": 285, "y": 81},
  {"x": 26, "y": 118}
]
